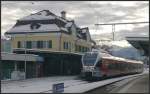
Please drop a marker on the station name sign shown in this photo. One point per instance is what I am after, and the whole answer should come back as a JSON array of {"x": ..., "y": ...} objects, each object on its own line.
[{"x": 58, "y": 88}]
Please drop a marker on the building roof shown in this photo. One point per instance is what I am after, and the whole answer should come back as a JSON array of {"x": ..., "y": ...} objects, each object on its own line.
[
  {"x": 43, "y": 22},
  {"x": 140, "y": 43},
  {"x": 43, "y": 27}
]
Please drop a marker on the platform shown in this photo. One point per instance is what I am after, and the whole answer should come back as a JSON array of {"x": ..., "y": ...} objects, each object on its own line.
[{"x": 139, "y": 85}]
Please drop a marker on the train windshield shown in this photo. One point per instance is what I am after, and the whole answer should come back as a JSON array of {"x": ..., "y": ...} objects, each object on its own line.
[{"x": 89, "y": 59}]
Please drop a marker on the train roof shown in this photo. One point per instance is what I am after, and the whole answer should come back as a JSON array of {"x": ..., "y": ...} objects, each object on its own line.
[{"x": 122, "y": 59}]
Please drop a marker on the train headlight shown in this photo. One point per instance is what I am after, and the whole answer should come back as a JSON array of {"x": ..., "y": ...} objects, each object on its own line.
[
  {"x": 88, "y": 68},
  {"x": 91, "y": 68}
]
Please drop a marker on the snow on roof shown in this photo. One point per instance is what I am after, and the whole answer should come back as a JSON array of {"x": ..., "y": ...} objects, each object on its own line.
[
  {"x": 84, "y": 30},
  {"x": 64, "y": 29},
  {"x": 43, "y": 27},
  {"x": 64, "y": 20},
  {"x": 68, "y": 24}
]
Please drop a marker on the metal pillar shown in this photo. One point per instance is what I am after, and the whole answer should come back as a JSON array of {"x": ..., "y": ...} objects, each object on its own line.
[
  {"x": 113, "y": 31},
  {"x": 25, "y": 57},
  {"x": 16, "y": 66}
]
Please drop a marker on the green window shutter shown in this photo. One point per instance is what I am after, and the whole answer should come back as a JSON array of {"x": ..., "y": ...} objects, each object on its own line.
[
  {"x": 64, "y": 45},
  {"x": 38, "y": 44},
  {"x": 79, "y": 48},
  {"x": 67, "y": 45},
  {"x": 19, "y": 44},
  {"x": 29, "y": 44},
  {"x": 50, "y": 44},
  {"x": 75, "y": 47}
]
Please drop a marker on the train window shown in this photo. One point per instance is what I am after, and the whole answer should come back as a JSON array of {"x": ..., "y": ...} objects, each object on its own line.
[
  {"x": 117, "y": 65},
  {"x": 89, "y": 59},
  {"x": 122, "y": 66},
  {"x": 111, "y": 66}
]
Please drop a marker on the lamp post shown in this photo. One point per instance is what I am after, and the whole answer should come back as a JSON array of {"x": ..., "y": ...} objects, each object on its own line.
[
  {"x": 26, "y": 52},
  {"x": 25, "y": 56}
]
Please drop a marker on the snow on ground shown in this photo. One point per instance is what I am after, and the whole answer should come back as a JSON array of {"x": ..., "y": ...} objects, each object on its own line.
[
  {"x": 35, "y": 85},
  {"x": 72, "y": 84}
]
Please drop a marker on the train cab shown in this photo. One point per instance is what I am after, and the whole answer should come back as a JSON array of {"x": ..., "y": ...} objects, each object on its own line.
[{"x": 92, "y": 64}]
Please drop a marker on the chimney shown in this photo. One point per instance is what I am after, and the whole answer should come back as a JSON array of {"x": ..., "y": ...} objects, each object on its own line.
[{"x": 63, "y": 14}]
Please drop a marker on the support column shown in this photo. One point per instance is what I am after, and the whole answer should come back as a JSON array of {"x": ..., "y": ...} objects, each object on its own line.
[{"x": 15, "y": 66}]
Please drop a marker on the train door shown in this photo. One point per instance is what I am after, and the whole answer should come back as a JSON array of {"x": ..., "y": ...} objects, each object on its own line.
[
  {"x": 97, "y": 72},
  {"x": 104, "y": 68}
]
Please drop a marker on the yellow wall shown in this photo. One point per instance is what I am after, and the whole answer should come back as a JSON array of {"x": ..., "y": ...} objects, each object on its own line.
[{"x": 55, "y": 37}]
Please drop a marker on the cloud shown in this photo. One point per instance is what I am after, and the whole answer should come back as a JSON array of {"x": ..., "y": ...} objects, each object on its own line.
[{"x": 85, "y": 13}]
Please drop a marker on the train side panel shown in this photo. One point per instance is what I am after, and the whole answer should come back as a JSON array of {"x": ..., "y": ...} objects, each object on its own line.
[{"x": 115, "y": 67}]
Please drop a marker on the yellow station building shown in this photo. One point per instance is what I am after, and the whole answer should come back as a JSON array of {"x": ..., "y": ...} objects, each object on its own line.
[
  {"x": 53, "y": 37},
  {"x": 52, "y": 33}
]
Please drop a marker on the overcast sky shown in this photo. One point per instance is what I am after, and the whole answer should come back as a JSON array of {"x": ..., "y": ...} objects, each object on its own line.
[{"x": 85, "y": 13}]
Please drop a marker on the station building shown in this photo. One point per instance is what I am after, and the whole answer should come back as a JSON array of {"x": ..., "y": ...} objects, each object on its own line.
[{"x": 59, "y": 41}]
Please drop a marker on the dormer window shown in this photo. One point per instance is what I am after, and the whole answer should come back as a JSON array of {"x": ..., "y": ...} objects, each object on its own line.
[
  {"x": 35, "y": 25},
  {"x": 39, "y": 13}
]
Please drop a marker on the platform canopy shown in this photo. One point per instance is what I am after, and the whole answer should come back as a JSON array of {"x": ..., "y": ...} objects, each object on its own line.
[
  {"x": 140, "y": 43},
  {"x": 21, "y": 57}
]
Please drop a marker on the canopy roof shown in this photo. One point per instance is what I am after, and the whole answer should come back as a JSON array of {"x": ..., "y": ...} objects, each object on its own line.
[
  {"x": 140, "y": 43},
  {"x": 20, "y": 57}
]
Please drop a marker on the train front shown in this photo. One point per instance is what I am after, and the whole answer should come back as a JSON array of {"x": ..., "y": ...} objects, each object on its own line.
[{"x": 89, "y": 60}]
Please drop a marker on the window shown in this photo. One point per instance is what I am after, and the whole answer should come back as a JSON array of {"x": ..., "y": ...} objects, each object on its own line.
[
  {"x": 75, "y": 47},
  {"x": 39, "y": 44},
  {"x": 19, "y": 44},
  {"x": 44, "y": 44},
  {"x": 34, "y": 44},
  {"x": 69, "y": 46},
  {"x": 79, "y": 48},
  {"x": 66, "y": 45},
  {"x": 49, "y": 44},
  {"x": 22, "y": 44},
  {"x": 29, "y": 44},
  {"x": 82, "y": 49},
  {"x": 72, "y": 46}
]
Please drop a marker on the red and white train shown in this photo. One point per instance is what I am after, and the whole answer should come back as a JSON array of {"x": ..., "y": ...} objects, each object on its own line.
[{"x": 98, "y": 64}]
